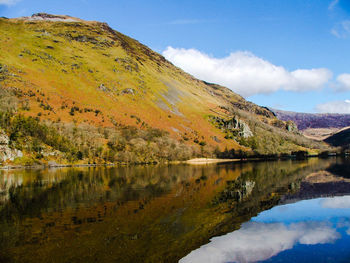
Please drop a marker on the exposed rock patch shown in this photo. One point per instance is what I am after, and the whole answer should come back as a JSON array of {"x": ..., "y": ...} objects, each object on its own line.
[
  {"x": 6, "y": 153},
  {"x": 170, "y": 98},
  {"x": 291, "y": 126},
  {"x": 128, "y": 64},
  {"x": 103, "y": 88},
  {"x": 48, "y": 17},
  {"x": 234, "y": 125},
  {"x": 128, "y": 91}
]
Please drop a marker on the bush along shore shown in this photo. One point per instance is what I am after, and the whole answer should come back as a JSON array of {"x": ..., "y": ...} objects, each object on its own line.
[
  {"x": 28, "y": 142},
  {"x": 32, "y": 142}
]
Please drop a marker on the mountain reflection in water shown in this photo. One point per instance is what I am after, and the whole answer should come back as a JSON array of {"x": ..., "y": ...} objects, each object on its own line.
[
  {"x": 162, "y": 213},
  {"x": 265, "y": 236},
  {"x": 315, "y": 230}
]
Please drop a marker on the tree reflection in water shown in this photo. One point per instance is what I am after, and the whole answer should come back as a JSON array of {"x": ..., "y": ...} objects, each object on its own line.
[{"x": 136, "y": 214}]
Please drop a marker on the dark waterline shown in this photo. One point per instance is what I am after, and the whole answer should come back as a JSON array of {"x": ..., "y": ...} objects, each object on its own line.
[{"x": 148, "y": 214}]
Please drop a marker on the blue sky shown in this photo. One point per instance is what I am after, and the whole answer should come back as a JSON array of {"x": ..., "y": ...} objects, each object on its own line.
[{"x": 291, "y": 54}]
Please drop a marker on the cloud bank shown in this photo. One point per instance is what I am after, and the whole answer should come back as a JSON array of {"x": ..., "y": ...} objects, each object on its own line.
[
  {"x": 245, "y": 73},
  {"x": 260, "y": 241},
  {"x": 339, "y": 202},
  {"x": 333, "y": 4},
  {"x": 342, "y": 29},
  {"x": 334, "y": 107},
  {"x": 342, "y": 83}
]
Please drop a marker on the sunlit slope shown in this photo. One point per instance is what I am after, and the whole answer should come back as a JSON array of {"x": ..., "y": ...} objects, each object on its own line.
[{"x": 85, "y": 72}]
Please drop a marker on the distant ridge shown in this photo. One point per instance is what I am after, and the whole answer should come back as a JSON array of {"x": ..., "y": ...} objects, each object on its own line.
[
  {"x": 314, "y": 120},
  {"x": 341, "y": 138}
]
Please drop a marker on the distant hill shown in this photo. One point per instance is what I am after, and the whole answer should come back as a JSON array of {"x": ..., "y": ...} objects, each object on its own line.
[
  {"x": 104, "y": 97},
  {"x": 315, "y": 126},
  {"x": 311, "y": 120},
  {"x": 341, "y": 138}
]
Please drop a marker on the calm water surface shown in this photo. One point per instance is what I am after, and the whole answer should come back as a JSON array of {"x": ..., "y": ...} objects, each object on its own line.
[{"x": 283, "y": 211}]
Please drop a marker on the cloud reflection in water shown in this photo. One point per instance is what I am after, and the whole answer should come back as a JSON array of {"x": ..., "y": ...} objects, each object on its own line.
[
  {"x": 259, "y": 241},
  {"x": 339, "y": 202}
]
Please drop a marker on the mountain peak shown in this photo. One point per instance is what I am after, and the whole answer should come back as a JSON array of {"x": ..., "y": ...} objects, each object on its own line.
[{"x": 50, "y": 17}]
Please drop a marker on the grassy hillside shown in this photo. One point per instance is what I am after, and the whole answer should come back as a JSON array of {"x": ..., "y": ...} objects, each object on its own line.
[{"x": 90, "y": 82}]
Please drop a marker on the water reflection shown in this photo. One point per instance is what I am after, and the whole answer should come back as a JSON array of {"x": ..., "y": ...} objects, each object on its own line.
[
  {"x": 337, "y": 202},
  {"x": 257, "y": 241},
  {"x": 144, "y": 214},
  {"x": 319, "y": 228}
]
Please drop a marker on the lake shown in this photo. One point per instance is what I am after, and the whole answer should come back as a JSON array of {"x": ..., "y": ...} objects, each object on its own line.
[{"x": 277, "y": 211}]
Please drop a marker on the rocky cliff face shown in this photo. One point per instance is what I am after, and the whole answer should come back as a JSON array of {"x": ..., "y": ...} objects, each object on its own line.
[
  {"x": 234, "y": 127},
  {"x": 6, "y": 153}
]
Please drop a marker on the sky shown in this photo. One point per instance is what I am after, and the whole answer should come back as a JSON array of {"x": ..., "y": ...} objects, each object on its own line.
[{"x": 291, "y": 55}]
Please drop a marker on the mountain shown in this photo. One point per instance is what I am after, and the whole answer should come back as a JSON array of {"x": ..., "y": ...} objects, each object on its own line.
[
  {"x": 317, "y": 120},
  {"x": 316, "y": 126},
  {"x": 341, "y": 138},
  {"x": 79, "y": 90}
]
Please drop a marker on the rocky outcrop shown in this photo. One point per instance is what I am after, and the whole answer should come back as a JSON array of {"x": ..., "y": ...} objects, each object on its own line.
[
  {"x": 128, "y": 64},
  {"x": 49, "y": 17},
  {"x": 234, "y": 125},
  {"x": 245, "y": 131},
  {"x": 128, "y": 91},
  {"x": 103, "y": 88},
  {"x": 291, "y": 126},
  {"x": 6, "y": 153}
]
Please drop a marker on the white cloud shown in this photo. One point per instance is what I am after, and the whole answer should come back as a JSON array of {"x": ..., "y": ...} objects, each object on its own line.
[
  {"x": 342, "y": 202},
  {"x": 260, "y": 241},
  {"x": 342, "y": 30},
  {"x": 8, "y": 2},
  {"x": 333, "y": 4},
  {"x": 344, "y": 222},
  {"x": 334, "y": 107},
  {"x": 245, "y": 73},
  {"x": 348, "y": 231},
  {"x": 342, "y": 83},
  {"x": 186, "y": 21}
]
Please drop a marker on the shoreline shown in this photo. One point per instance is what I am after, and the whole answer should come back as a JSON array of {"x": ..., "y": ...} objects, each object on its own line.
[
  {"x": 199, "y": 161},
  {"x": 13, "y": 167},
  {"x": 194, "y": 161}
]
